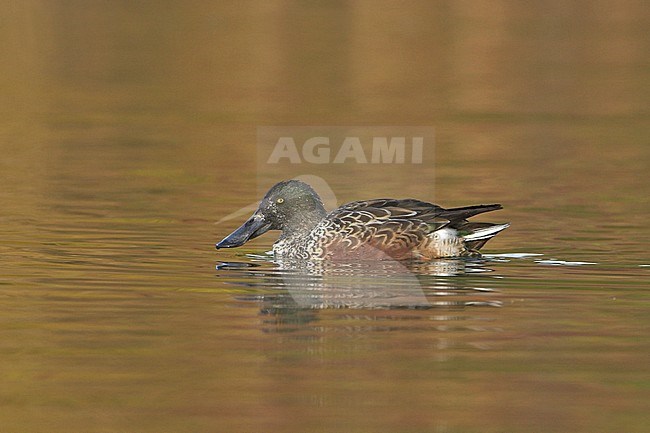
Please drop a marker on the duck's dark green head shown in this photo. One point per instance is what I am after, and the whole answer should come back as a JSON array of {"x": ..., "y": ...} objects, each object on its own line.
[{"x": 290, "y": 205}]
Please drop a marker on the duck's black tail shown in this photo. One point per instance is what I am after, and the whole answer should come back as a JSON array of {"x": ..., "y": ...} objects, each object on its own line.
[{"x": 462, "y": 213}]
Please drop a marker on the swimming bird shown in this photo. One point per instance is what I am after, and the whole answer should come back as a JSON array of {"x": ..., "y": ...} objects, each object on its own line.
[{"x": 396, "y": 229}]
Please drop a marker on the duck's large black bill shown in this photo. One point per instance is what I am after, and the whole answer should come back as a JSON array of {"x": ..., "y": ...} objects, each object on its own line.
[{"x": 255, "y": 226}]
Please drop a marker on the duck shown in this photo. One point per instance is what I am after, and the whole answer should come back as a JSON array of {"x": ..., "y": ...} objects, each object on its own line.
[{"x": 377, "y": 229}]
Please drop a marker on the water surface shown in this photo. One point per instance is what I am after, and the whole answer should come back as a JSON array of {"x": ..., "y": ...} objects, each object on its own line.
[{"x": 127, "y": 131}]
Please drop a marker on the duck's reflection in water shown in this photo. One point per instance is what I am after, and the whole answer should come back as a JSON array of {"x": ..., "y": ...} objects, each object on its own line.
[{"x": 294, "y": 285}]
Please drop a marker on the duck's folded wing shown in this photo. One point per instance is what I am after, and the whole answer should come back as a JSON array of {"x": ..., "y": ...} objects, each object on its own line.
[
  {"x": 396, "y": 209},
  {"x": 393, "y": 227}
]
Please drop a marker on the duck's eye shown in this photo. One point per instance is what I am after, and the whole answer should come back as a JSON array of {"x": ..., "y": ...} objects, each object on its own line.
[{"x": 280, "y": 200}]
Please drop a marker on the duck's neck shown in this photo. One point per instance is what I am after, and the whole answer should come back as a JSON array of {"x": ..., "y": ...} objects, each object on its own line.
[{"x": 303, "y": 220}]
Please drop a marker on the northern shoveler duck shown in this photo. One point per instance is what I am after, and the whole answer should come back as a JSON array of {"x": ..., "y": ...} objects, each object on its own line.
[{"x": 363, "y": 230}]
